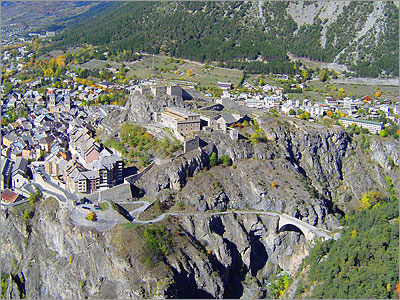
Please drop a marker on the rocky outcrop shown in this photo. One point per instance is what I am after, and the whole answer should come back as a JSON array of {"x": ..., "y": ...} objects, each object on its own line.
[
  {"x": 214, "y": 256},
  {"x": 314, "y": 169},
  {"x": 142, "y": 108}
]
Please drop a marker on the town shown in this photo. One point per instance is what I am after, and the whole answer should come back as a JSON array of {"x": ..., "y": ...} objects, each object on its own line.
[{"x": 51, "y": 118}]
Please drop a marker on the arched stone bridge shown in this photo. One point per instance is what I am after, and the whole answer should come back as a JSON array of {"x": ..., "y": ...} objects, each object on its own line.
[{"x": 310, "y": 232}]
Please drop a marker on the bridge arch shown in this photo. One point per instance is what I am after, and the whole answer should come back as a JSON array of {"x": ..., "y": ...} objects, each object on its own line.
[
  {"x": 286, "y": 224},
  {"x": 291, "y": 227}
]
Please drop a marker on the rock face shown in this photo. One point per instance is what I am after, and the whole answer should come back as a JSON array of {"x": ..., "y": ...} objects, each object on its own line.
[
  {"x": 307, "y": 171},
  {"x": 316, "y": 170},
  {"x": 215, "y": 256},
  {"x": 142, "y": 108}
]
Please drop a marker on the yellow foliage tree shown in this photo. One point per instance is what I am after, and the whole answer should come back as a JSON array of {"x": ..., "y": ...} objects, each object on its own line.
[
  {"x": 91, "y": 216},
  {"x": 188, "y": 72},
  {"x": 273, "y": 184},
  {"x": 330, "y": 113},
  {"x": 378, "y": 94},
  {"x": 60, "y": 60}
]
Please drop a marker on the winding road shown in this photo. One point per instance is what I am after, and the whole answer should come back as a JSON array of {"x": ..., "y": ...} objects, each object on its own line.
[{"x": 319, "y": 232}]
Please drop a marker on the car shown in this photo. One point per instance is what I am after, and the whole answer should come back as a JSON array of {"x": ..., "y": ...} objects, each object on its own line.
[{"x": 85, "y": 207}]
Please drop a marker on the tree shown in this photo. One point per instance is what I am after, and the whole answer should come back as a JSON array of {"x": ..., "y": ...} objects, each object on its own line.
[
  {"x": 292, "y": 112},
  {"x": 305, "y": 74},
  {"x": 304, "y": 116},
  {"x": 60, "y": 61},
  {"x": 323, "y": 75},
  {"x": 329, "y": 113},
  {"x": 35, "y": 196},
  {"x": 91, "y": 216},
  {"x": 225, "y": 160},
  {"x": 378, "y": 94},
  {"x": 213, "y": 159},
  {"x": 383, "y": 133},
  {"x": 188, "y": 72}
]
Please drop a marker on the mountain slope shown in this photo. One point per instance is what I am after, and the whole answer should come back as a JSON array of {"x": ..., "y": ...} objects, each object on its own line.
[
  {"x": 51, "y": 14},
  {"x": 363, "y": 35}
]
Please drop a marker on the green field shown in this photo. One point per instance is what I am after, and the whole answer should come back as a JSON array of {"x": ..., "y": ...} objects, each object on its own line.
[{"x": 167, "y": 68}]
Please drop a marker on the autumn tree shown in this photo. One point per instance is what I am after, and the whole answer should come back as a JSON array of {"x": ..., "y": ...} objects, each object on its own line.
[
  {"x": 60, "y": 61},
  {"x": 91, "y": 216},
  {"x": 323, "y": 75}
]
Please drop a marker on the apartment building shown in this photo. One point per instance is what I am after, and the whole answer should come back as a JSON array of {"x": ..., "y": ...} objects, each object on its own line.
[{"x": 373, "y": 127}]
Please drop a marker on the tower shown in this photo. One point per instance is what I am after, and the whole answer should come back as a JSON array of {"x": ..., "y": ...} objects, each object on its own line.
[{"x": 67, "y": 102}]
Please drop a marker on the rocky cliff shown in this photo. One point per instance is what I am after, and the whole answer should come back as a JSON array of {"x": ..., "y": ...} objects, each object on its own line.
[
  {"x": 299, "y": 168},
  {"x": 142, "y": 108},
  {"x": 307, "y": 171},
  {"x": 214, "y": 256}
]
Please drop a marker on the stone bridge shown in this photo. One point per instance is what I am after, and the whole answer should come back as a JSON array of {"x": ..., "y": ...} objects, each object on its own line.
[{"x": 310, "y": 232}]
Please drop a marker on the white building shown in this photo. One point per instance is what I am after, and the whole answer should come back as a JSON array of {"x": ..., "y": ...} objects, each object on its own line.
[{"x": 373, "y": 127}]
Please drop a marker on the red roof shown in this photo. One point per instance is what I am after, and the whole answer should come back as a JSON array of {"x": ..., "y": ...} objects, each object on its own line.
[
  {"x": 9, "y": 196},
  {"x": 368, "y": 98}
]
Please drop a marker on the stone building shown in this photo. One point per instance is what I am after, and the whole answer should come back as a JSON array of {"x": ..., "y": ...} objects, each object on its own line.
[{"x": 180, "y": 120}]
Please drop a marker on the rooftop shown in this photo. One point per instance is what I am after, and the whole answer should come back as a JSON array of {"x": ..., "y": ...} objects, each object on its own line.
[
  {"x": 184, "y": 113},
  {"x": 9, "y": 196}
]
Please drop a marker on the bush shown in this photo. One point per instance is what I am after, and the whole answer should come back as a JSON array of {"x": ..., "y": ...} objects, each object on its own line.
[
  {"x": 383, "y": 133},
  {"x": 4, "y": 285},
  {"x": 225, "y": 160},
  {"x": 28, "y": 214},
  {"x": 213, "y": 159},
  {"x": 180, "y": 205}
]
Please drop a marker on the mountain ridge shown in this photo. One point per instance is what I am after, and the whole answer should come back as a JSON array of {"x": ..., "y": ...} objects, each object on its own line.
[{"x": 362, "y": 35}]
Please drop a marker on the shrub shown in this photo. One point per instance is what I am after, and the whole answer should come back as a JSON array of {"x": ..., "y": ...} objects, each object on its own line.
[
  {"x": 180, "y": 205},
  {"x": 213, "y": 159},
  {"x": 225, "y": 160},
  {"x": 81, "y": 284},
  {"x": 383, "y": 133}
]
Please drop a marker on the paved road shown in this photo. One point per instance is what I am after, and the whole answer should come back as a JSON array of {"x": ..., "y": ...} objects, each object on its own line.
[
  {"x": 297, "y": 222},
  {"x": 30, "y": 188},
  {"x": 55, "y": 188},
  {"x": 15, "y": 203}
]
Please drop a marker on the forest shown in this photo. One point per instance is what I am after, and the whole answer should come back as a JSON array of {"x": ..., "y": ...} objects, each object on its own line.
[
  {"x": 364, "y": 262},
  {"x": 226, "y": 33}
]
